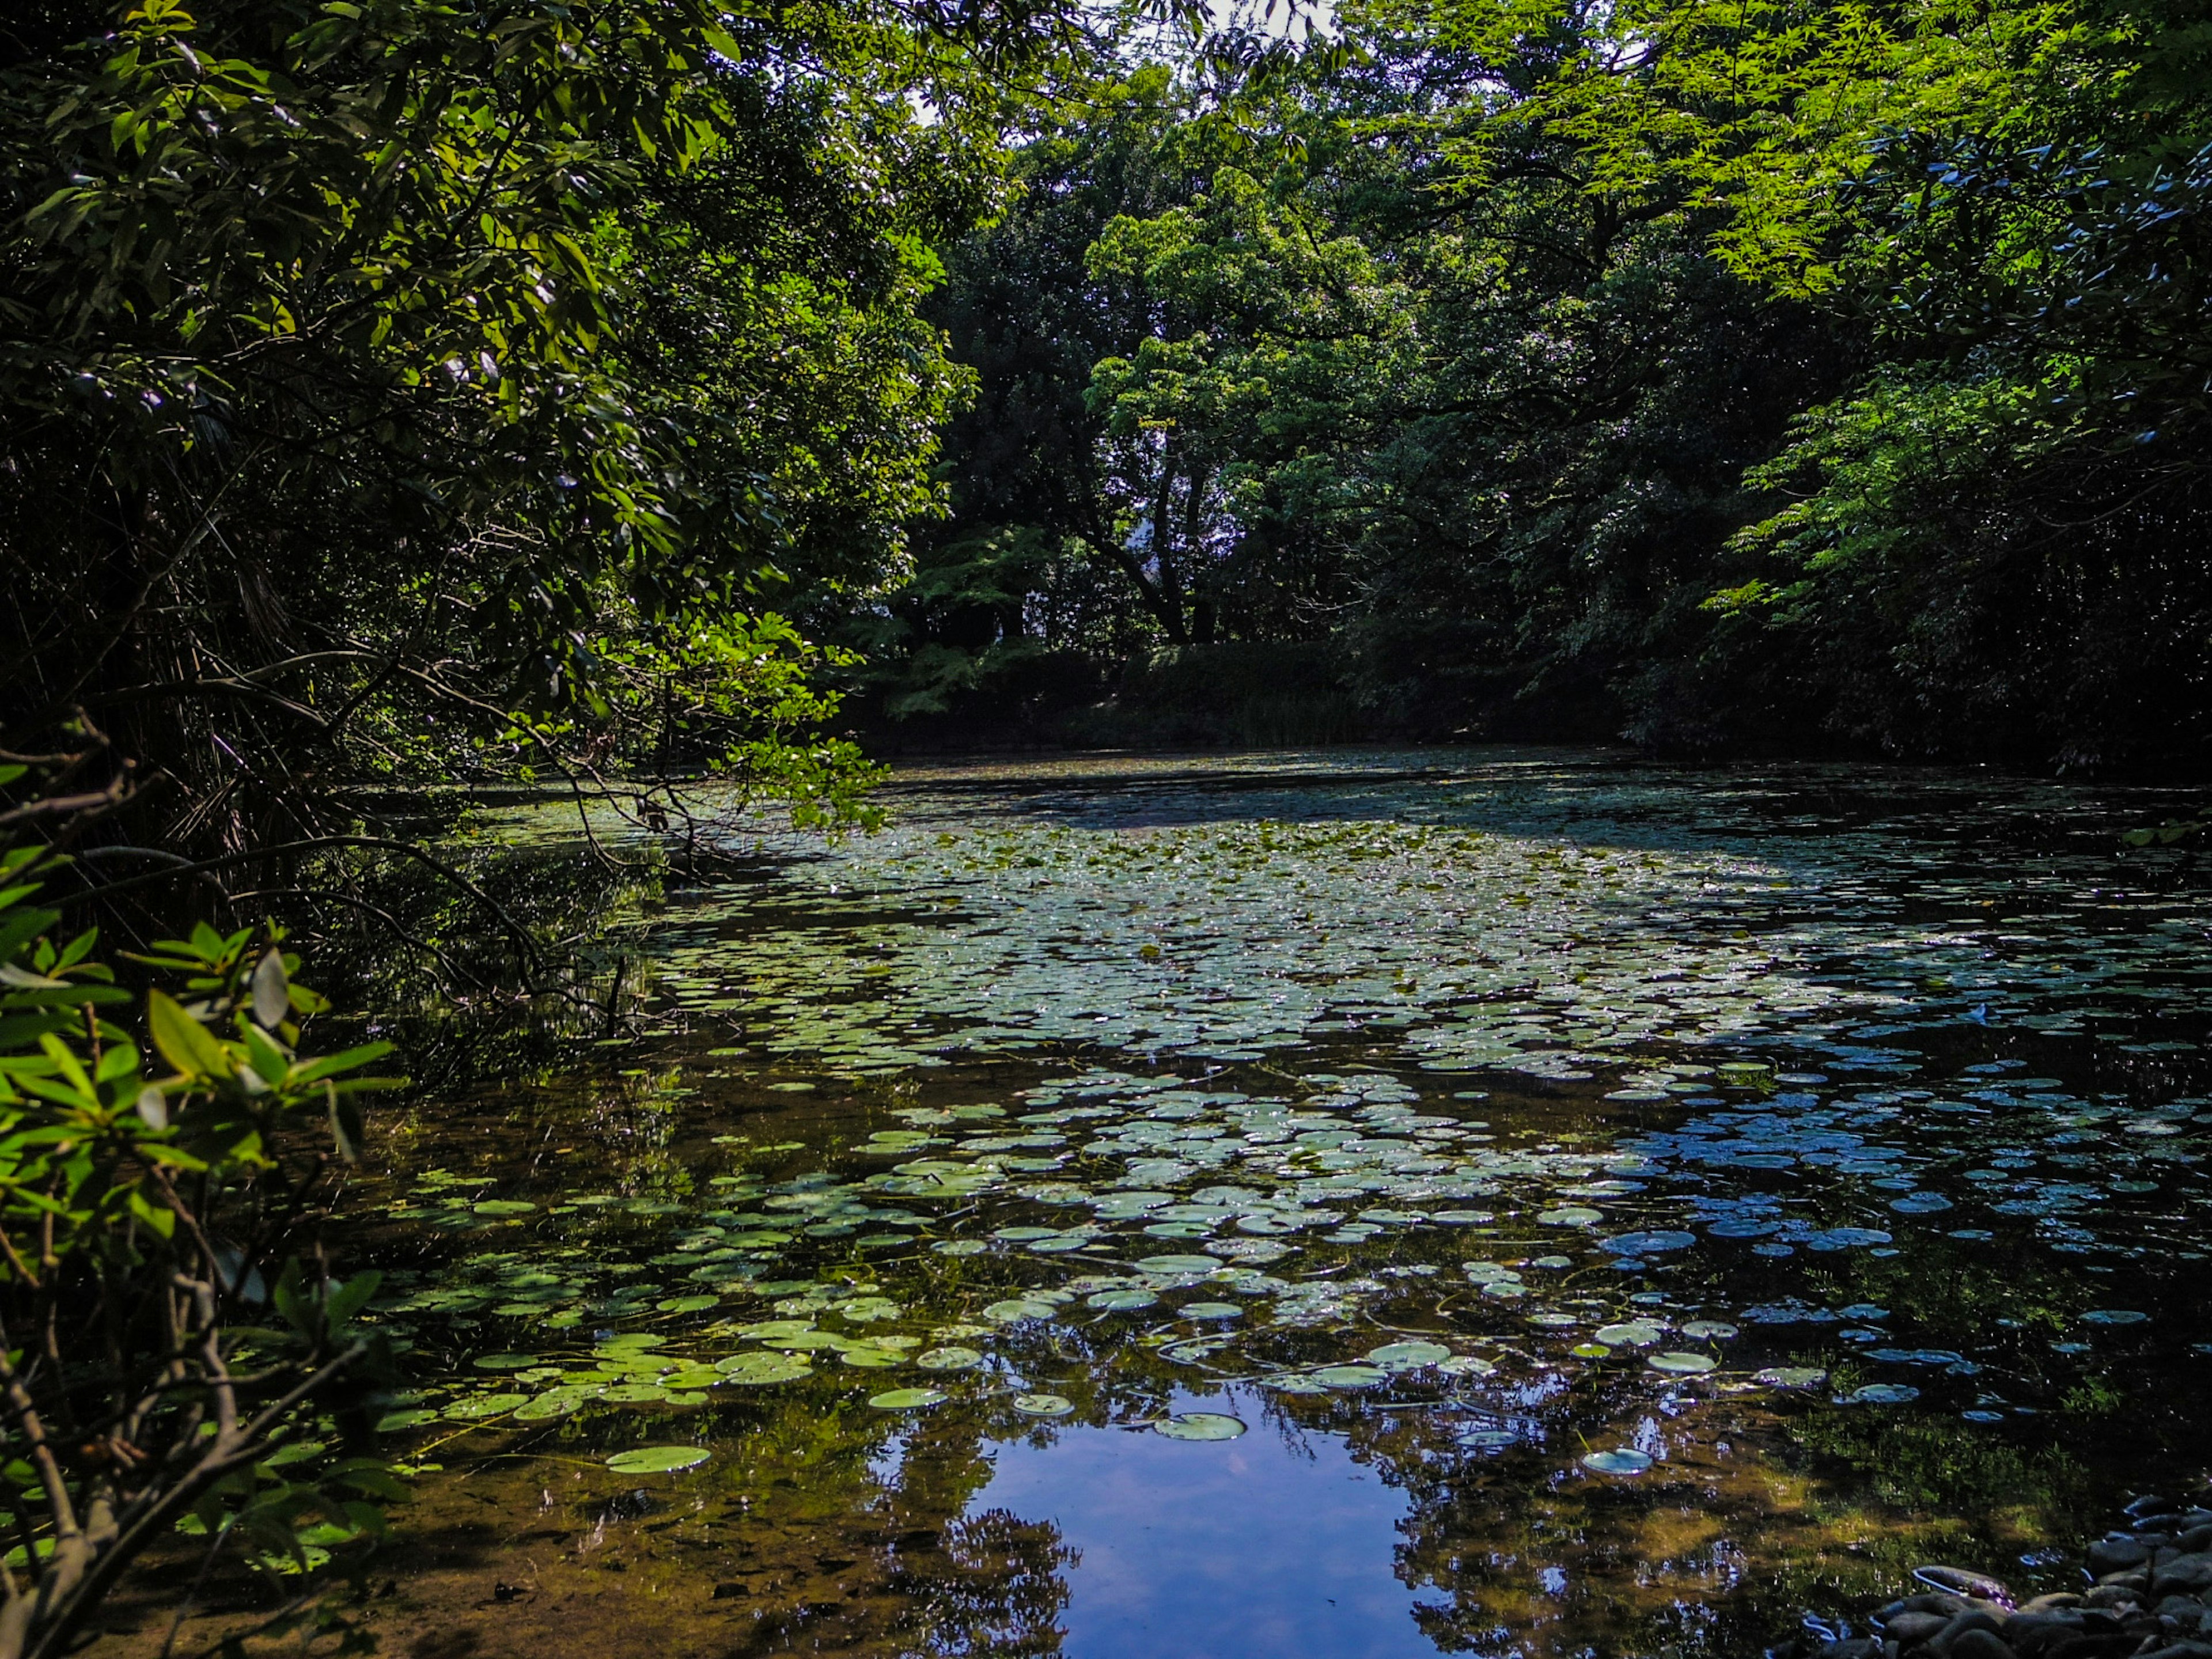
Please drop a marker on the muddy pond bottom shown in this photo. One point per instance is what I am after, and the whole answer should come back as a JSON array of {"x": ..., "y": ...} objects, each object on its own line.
[{"x": 1347, "y": 1205}]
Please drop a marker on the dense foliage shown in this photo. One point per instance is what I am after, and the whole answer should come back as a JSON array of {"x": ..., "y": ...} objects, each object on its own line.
[
  {"x": 1710, "y": 374},
  {"x": 148, "y": 1200},
  {"x": 404, "y": 392}
]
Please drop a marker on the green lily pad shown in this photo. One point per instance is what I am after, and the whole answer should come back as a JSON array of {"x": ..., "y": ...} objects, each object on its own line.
[
  {"x": 872, "y": 1359},
  {"x": 1631, "y": 1334},
  {"x": 413, "y": 1418},
  {"x": 1200, "y": 1426},
  {"x": 948, "y": 1359},
  {"x": 504, "y": 1361},
  {"x": 758, "y": 1369},
  {"x": 1211, "y": 1310},
  {"x": 1016, "y": 1309},
  {"x": 1407, "y": 1356},
  {"x": 1466, "y": 1365},
  {"x": 1571, "y": 1215},
  {"x": 635, "y": 1394},
  {"x": 1349, "y": 1376},
  {"x": 907, "y": 1399},
  {"x": 483, "y": 1406},
  {"x": 552, "y": 1404},
  {"x": 1125, "y": 1301},
  {"x": 1682, "y": 1364},
  {"x": 1790, "y": 1376},
  {"x": 657, "y": 1460},
  {"x": 1709, "y": 1330},
  {"x": 1179, "y": 1264},
  {"x": 1042, "y": 1404}
]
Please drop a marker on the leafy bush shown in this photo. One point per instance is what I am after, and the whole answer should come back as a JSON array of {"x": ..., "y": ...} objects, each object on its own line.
[{"x": 154, "y": 1209}]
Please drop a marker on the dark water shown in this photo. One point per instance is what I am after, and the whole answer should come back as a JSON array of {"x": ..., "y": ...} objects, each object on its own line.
[{"x": 1602, "y": 1209}]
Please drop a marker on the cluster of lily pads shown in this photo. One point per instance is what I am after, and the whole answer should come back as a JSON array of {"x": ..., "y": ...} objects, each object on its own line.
[{"x": 1743, "y": 1007}]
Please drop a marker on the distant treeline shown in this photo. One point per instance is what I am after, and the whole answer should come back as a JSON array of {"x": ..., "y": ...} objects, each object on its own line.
[{"x": 1719, "y": 374}]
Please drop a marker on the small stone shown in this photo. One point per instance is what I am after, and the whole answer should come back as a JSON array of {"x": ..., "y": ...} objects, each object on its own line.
[
  {"x": 1974, "y": 1619},
  {"x": 1978, "y": 1643},
  {"x": 2196, "y": 1538},
  {"x": 1909, "y": 1629},
  {"x": 2191, "y": 1572},
  {"x": 2116, "y": 1555},
  {"x": 1958, "y": 1580},
  {"x": 2052, "y": 1602}
]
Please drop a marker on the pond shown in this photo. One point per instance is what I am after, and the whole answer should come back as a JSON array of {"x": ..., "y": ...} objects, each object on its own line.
[{"x": 1329, "y": 1205}]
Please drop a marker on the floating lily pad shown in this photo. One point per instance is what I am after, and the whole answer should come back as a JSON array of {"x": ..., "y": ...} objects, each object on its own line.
[
  {"x": 1879, "y": 1393},
  {"x": 949, "y": 1359},
  {"x": 1624, "y": 1460},
  {"x": 1200, "y": 1426},
  {"x": 1466, "y": 1365},
  {"x": 483, "y": 1406},
  {"x": 1631, "y": 1334},
  {"x": 1407, "y": 1356},
  {"x": 1179, "y": 1264},
  {"x": 1042, "y": 1404},
  {"x": 2113, "y": 1316},
  {"x": 1682, "y": 1364},
  {"x": 1709, "y": 1330},
  {"x": 1790, "y": 1376},
  {"x": 504, "y": 1361},
  {"x": 553, "y": 1404},
  {"x": 657, "y": 1460},
  {"x": 635, "y": 1394},
  {"x": 760, "y": 1368},
  {"x": 412, "y": 1418},
  {"x": 1650, "y": 1243},
  {"x": 1571, "y": 1215},
  {"x": 1015, "y": 1308},
  {"x": 1349, "y": 1376},
  {"x": 1122, "y": 1300},
  {"x": 1211, "y": 1310},
  {"x": 907, "y": 1399}
]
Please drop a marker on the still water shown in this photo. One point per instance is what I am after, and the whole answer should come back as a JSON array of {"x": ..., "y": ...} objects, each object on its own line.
[{"x": 1326, "y": 1204}]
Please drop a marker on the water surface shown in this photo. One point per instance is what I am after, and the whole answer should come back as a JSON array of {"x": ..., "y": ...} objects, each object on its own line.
[{"x": 1602, "y": 1208}]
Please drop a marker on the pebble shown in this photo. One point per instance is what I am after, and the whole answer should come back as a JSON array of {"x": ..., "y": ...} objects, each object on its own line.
[{"x": 2150, "y": 1597}]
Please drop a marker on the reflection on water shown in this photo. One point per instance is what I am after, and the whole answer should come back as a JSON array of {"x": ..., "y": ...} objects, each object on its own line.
[
  {"x": 1275, "y": 1543},
  {"x": 1622, "y": 1206}
]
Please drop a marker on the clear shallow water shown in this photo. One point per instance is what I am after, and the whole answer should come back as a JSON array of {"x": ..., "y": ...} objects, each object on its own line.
[{"x": 1620, "y": 1207}]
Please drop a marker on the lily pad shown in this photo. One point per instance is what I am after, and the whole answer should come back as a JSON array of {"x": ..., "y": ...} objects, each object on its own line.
[
  {"x": 1879, "y": 1393},
  {"x": 1682, "y": 1364},
  {"x": 1631, "y": 1334},
  {"x": 1790, "y": 1376},
  {"x": 1211, "y": 1310},
  {"x": 1650, "y": 1243},
  {"x": 907, "y": 1399},
  {"x": 485, "y": 1405},
  {"x": 657, "y": 1460},
  {"x": 2113, "y": 1316},
  {"x": 1349, "y": 1376},
  {"x": 1200, "y": 1426},
  {"x": 1624, "y": 1461},
  {"x": 759, "y": 1367},
  {"x": 1124, "y": 1301},
  {"x": 1571, "y": 1215},
  {"x": 948, "y": 1359},
  {"x": 1042, "y": 1404},
  {"x": 1407, "y": 1356},
  {"x": 1180, "y": 1264}
]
